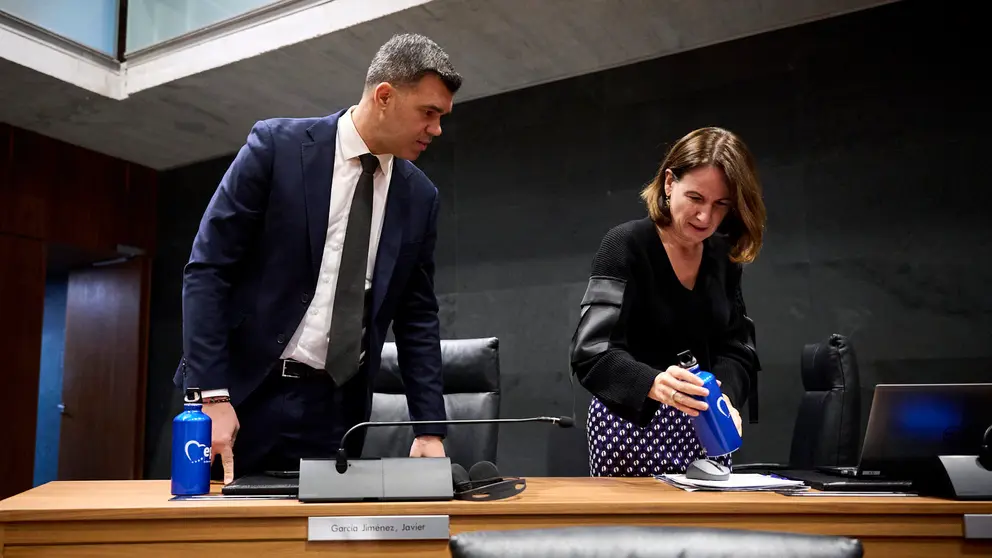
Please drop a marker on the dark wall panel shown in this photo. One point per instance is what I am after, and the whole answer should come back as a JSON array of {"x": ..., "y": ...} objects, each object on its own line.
[
  {"x": 868, "y": 130},
  {"x": 184, "y": 194}
]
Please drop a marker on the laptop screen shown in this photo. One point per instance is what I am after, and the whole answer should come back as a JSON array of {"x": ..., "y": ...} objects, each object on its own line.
[{"x": 913, "y": 422}]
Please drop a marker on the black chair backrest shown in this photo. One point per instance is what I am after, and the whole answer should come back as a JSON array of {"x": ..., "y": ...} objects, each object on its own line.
[
  {"x": 648, "y": 542},
  {"x": 828, "y": 427},
  {"x": 471, "y": 391}
]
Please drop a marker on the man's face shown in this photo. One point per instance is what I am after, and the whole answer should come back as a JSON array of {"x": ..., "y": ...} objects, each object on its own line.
[{"x": 412, "y": 116}]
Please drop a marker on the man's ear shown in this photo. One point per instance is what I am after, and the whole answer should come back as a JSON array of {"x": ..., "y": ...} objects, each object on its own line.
[{"x": 383, "y": 94}]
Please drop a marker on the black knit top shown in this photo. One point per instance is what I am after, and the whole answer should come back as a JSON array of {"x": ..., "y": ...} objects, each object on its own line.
[{"x": 637, "y": 317}]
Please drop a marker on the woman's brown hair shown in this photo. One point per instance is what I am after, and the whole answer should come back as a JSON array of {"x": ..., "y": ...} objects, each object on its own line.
[{"x": 724, "y": 150}]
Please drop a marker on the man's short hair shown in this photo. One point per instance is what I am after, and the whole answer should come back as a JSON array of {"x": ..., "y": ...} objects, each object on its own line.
[{"x": 405, "y": 59}]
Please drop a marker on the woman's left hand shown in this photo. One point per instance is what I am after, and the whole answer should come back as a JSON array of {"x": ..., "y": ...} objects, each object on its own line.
[
  {"x": 733, "y": 412},
  {"x": 735, "y": 415}
]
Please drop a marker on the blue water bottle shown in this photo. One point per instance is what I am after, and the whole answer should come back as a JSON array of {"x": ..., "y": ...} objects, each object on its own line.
[
  {"x": 191, "y": 442},
  {"x": 715, "y": 426}
]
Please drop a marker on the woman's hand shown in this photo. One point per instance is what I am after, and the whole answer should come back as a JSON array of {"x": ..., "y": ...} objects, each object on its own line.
[
  {"x": 735, "y": 415},
  {"x": 675, "y": 387},
  {"x": 733, "y": 412}
]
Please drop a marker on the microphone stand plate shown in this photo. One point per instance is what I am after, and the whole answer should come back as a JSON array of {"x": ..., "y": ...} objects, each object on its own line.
[{"x": 386, "y": 479}]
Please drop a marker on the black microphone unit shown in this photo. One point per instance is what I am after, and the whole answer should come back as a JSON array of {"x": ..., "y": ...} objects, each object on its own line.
[
  {"x": 389, "y": 478},
  {"x": 483, "y": 482},
  {"x": 958, "y": 477}
]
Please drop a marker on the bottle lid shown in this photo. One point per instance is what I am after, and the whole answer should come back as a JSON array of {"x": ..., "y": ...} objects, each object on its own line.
[
  {"x": 193, "y": 396},
  {"x": 686, "y": 360}
]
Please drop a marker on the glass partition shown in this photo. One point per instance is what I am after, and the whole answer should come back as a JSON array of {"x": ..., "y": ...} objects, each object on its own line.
[
  {"x": 91, "y": 23},
  {"x": 150, "y": 22}
]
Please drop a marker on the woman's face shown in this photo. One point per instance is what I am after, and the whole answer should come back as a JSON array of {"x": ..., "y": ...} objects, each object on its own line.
[{"x": 698, "y": 202}]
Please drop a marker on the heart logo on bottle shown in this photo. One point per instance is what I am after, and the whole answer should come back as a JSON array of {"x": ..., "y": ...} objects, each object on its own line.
[
  {"x": 200, "y": 455},
  {"x": 721, "y": 405}
]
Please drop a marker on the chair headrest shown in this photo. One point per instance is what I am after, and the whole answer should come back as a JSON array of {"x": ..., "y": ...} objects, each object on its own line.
[
  {"x": 830, "y": 365},
  {"x": 468, "y": 366}
]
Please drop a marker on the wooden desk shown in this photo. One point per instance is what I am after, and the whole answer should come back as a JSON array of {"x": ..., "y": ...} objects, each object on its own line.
[{"x": 136, "y": 518}]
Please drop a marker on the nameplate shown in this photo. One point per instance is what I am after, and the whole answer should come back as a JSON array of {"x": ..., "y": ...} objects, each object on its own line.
[{"x": 378, "y": 528}]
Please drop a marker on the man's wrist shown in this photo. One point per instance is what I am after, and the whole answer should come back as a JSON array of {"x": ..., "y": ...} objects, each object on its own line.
[{"x": 211, "y": 396}]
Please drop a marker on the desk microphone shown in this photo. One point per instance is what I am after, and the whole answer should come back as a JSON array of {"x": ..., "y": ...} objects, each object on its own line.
[{"x": 341, "y": 462}]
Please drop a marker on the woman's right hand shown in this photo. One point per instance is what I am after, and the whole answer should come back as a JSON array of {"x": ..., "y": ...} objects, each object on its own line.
[{"x": 675, "y": 386}]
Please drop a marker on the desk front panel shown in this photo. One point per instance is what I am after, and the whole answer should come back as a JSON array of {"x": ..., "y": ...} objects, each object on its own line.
[
  {"x": 136, "y": 519},
  {"x": 884, "y": 536}
]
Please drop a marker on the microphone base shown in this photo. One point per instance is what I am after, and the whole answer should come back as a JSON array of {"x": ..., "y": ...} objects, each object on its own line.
[
  {"x": 957, "y": 477},
  {"x": 388, "y": 479}
]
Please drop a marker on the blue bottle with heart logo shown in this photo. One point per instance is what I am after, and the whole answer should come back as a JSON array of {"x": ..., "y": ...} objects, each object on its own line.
[
  {"x": 715, "y": 426},
  {"x": 191, "y": 441}
]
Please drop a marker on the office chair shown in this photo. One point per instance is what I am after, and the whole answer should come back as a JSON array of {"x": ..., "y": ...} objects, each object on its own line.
[
  {"x": 828, "y": 425},
  {"x": 471, "y": 391},
  {"x": 648, "y": 542}
]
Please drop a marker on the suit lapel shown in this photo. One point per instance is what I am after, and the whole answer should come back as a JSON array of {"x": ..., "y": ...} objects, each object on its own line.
[
  {"x": 397, "y": 207},
  {"x": 318, "y": 173}
]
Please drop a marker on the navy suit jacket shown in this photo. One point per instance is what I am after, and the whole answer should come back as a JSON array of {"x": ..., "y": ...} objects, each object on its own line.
[{"x": 255, "y": 260}]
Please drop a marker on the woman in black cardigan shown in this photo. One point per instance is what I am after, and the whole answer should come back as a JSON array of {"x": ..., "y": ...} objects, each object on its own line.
[{"x": 662, "y": 285}]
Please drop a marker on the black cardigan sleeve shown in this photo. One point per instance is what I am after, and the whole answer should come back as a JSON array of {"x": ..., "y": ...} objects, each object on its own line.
[
  {"x": 735, "y": 358},
  {"x": 599, "y": 356}
]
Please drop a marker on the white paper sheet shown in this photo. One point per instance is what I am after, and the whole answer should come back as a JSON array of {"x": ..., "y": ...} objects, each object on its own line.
[{"x": 736, "y": 482}]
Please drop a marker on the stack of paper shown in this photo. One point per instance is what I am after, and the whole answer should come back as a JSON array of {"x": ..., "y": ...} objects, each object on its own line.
[{"x": 736, "y": 483}]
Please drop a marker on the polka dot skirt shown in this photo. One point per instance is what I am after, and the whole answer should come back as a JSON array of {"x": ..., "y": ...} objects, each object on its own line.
[{"x": 618, "y": 448}]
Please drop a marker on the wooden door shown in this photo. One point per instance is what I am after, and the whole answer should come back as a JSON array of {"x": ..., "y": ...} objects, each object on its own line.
[{"x": 103, "y": 386}]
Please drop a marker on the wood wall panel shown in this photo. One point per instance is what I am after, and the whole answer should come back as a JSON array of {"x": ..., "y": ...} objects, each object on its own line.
[
  {"x": 6, "y": 149},
  {"x": 22, "y": 301},
  {"x": 82, "y": 209},
  {"x": 24, "y": 195},
  {"x": 62, "y": 193},
  {"x": 138, "y": 199}
]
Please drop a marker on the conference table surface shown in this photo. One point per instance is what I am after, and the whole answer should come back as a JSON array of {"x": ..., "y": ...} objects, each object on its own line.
[{"x": 138, "y": 518}]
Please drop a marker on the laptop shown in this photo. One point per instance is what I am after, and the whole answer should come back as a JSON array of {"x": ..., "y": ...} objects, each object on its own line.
[
  {"x": 270, "y": 483},
  {"x": 909, "y": 423},
  {"x": 908, "y": 426}
]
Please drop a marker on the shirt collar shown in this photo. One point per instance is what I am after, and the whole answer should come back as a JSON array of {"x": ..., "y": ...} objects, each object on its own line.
[{"x": 352, "y": 144}]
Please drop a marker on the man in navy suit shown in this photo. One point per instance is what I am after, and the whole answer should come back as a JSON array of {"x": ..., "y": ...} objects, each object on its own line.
[{"x": 320, "y": 235}]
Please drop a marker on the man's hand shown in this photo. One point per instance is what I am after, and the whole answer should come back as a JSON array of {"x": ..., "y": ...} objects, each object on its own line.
[
  {"x": 224, "y": 429},
  {"x": 427, "y": 446}
]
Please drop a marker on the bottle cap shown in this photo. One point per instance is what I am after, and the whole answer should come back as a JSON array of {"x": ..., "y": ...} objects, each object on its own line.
[
  {"x": 193, "y": 396},
  {"x": 686, "y": 360}
]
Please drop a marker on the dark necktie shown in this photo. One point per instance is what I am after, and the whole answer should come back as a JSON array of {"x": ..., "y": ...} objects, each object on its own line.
[{"x": 344, "y": 342}]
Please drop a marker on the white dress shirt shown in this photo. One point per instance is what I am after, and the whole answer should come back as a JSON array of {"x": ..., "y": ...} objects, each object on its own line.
[{"x": 309, "y": 344}]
